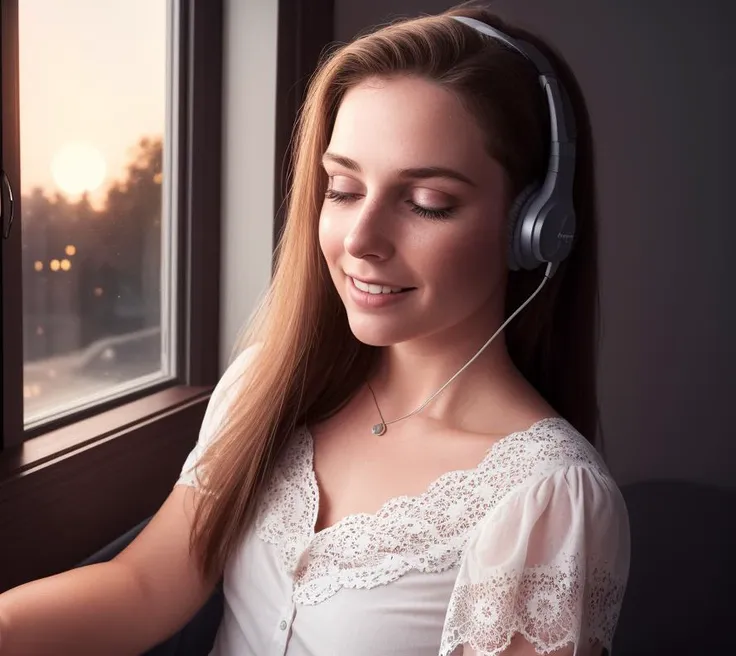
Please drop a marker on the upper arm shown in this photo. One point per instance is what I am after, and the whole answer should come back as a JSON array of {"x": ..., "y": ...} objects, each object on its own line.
[
  {"x": 168, "y": 574},
  {"x": 160, "y": 560},
  {"x": 545, "y": 571}
]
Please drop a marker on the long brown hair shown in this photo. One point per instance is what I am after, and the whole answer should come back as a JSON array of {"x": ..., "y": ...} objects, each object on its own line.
[{"x": 308, "y": 363}]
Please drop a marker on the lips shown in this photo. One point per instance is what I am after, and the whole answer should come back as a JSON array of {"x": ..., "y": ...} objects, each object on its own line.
[
  {"x": 380, "y": 299},
  {"x": 379, "y": 283}
]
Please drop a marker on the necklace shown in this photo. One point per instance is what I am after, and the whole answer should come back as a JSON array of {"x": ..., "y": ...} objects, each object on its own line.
[{"x": 381, "y": 427}]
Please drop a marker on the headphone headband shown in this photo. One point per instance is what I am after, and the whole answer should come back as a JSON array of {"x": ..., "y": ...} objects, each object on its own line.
[
  {"x": 562, "y": 131},
  {"x": 543, "y": 218}
]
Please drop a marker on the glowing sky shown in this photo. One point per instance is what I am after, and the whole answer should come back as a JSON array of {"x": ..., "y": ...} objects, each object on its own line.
[{"x": 91, "y": 72}]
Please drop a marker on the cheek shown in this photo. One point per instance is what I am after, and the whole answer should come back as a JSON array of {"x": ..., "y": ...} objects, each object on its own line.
[
  {"x": 467, "y": 267},
  {"x": 330, "y": 239},
  {"x": 471, "y": 267}
]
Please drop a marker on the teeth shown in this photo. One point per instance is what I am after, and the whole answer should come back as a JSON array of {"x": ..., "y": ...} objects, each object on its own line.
[{"x": 375, "y": 289}]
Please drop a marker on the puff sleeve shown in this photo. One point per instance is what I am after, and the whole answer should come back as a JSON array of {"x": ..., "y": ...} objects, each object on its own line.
[
  {"x": 221, "y": 400},
  {"x": 549, "y": 563}
]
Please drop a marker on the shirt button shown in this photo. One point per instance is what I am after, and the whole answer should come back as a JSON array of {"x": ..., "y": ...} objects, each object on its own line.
[{"x": 283, "y": 625}]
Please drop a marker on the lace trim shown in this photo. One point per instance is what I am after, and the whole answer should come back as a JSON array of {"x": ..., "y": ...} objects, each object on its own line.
[
  {"x": 549, "y": 606},
  {"x": 426, "y": 533}
]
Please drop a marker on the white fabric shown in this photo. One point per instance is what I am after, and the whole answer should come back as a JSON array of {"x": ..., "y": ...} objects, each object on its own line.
[{"x": 533, "y": 541}]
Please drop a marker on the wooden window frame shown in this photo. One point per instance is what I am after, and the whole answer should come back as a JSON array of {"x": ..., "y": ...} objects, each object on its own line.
[
  {"x": 71, "y": 487},
  {"x": 305, "y": 28}
]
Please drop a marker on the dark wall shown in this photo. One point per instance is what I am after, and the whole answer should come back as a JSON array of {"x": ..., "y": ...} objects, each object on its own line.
[{"x": 659, "y": 77}]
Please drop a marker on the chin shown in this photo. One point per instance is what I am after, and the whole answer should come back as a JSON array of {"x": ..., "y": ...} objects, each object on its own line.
[{"x": 374, "y": 332}]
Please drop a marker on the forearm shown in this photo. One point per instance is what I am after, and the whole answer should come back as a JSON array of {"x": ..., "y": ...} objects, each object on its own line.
[{"x": 100, "y": 609}]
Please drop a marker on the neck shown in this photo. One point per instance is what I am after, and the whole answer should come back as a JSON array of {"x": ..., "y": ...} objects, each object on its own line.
[{"x": 411, "y": 372}]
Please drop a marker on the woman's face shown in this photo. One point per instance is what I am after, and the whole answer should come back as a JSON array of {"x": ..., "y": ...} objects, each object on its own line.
[{"x": 416, "y": 207}]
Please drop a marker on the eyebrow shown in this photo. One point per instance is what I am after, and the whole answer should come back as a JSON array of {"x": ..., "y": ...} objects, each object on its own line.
[{"x": 418, "y": 173}]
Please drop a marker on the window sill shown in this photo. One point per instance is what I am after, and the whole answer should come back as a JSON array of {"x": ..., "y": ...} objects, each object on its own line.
[
  {"x": 71, "y": 491},
  {"x": 63, "y": 442}
]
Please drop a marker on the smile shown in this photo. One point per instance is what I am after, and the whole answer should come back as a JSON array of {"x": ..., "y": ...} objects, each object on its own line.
[
  {"x": 370, "y": 288},
  {"x": 374, "y": 297}
]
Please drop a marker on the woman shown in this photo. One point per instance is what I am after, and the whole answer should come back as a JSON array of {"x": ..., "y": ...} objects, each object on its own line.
[{"x": 375, "y": 475}]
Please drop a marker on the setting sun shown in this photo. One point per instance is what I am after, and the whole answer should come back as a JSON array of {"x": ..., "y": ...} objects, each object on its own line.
[{"x": 78, "y": 168}]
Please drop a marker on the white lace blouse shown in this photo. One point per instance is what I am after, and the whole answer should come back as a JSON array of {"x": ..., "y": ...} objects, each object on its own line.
[{"x": 533, "y": 541}]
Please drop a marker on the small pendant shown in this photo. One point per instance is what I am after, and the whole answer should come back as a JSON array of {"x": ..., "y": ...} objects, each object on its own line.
[{"x": 379, "y": 429}]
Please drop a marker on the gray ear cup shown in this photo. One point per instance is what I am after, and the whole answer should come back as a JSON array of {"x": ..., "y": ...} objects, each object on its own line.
[
  {"x": 518, "y": 210},
  {"x": 554, "y": 232}
]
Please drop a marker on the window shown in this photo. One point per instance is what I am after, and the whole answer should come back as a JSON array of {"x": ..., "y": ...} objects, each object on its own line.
[
  {"x": 109, "y": 264},
  {"x": 103, "y": 106},
  {"x": 96, "y": 180}
]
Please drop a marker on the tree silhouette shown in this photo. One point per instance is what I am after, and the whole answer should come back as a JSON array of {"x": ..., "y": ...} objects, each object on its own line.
[{"x": 112, "y": 281}]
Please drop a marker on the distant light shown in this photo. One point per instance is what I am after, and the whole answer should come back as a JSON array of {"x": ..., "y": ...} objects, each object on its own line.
[
  {"x": 157, "y": 178},
  {"x": 38, "y": 265},
  {"x": 99, "y": 291},
  {"x": 40, "y": 331},
  {"x": 109, "y": 355},
  {"x": 31, "y": 391},
  {"x": 70, "y": 250},
  {"x": 66, "y": 265}
]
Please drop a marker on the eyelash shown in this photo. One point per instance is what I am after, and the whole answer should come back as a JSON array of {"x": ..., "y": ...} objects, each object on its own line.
[{"x": 339, "y": 197}]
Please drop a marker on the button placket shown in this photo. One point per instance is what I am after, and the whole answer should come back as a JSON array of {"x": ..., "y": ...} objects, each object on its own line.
[{"x": 283, "y": 626}]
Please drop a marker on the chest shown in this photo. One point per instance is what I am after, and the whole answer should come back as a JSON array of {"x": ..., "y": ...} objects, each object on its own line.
[
  {"x": 423, "y": 532},
  {"x": 284, "y": 615},
  {"x": 358, "y": 472}
]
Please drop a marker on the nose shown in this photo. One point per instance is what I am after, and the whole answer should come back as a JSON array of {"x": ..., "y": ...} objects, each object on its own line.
[{"x": 370, "y": 235}]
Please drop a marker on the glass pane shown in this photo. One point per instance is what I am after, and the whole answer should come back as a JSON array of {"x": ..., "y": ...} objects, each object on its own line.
[{"x": 94, "y": 104}]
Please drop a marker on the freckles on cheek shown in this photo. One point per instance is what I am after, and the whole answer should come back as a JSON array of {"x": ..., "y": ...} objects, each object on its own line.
[{"x": 473, "y": 265}]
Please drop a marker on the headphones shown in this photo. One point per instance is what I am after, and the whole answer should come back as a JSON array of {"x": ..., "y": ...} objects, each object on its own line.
[{"x": 542, "y": 218}]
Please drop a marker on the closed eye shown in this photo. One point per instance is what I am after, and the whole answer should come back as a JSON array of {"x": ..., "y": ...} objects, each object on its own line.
[
  {"x": 430, "y": 213},
  {"x": 340, "y": 197}
]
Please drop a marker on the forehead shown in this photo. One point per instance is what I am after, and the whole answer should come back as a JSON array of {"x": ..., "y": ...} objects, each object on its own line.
[{"x": 404, "y": 122}]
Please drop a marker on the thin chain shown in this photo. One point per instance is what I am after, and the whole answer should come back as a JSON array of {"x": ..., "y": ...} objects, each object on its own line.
[
  {"x": 383, "y": 421},
  {"x": 547, "y": 276}
]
